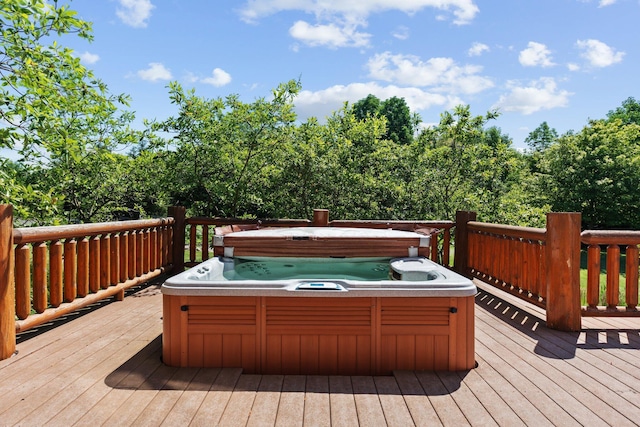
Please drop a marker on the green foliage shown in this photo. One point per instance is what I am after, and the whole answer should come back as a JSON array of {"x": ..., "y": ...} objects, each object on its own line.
[
  {"x": 400, "y": 122},
  {"x": 227, "y": 157},
  {"x": 366, "y": 107},
  {"x": 597, "y": 172},
  {"x": 19, "y": 186},
  {"x": 628, "y": 112},
  {"x": 57, "y": 115},
  {"x": 42, "y": 84},
  {"x": 541, "y": 138},
  {"x": 225, "y": 149}
]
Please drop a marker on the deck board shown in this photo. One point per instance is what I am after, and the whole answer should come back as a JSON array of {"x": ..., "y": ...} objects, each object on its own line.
[
  {"x": 103, "y": 367},
  {"x": 368, "y": 405}
]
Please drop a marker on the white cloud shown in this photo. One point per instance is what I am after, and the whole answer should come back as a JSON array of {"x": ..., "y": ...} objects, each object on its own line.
[
  {"x": 604, "y": 3},
  {"x": 155, "y": 72},
  {"x": 218, "y": 78},
  {"x": 572, "y": 66},
  {"x": 401, "y": 33},
  {"x": 442, "y": 74},
  {"x": 541, "y": 94},
  {"x": 598, "y": 54},
  {"x": 330, "y": 35},
  {"x": 478, "y": 49},
  {"x": 322, "y": 103},
  {"x": 338, "y": 21},
  {"x": 134, "y": 13},
  {"x": 464, "y": 11},
  {"x": 89, "y": 58},
  {"x": 536, "y": 54}
]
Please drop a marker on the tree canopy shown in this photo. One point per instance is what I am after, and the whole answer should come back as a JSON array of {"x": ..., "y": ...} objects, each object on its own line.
[
  {"x": 401, "y": 124},
  {"x": 230, "y": 157}
]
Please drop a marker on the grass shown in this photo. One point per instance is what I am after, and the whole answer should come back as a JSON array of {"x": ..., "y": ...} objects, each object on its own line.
[{"x": 603, "y": 279}]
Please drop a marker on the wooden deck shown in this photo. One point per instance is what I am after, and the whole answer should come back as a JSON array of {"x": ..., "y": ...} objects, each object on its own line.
[{"x": 104, "y": 368}]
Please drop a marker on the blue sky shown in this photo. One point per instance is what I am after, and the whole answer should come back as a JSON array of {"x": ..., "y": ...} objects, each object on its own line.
[{"x": 559, "y": 61}]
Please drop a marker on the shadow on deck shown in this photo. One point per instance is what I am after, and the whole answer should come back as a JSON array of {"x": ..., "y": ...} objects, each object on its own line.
[{"x": 105, "y": 368}]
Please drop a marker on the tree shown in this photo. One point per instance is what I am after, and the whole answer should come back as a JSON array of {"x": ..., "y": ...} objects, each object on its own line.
[
  {"x": 366, "y": 107},
  {"x": 54, "y": 111},
  {"x": 401, "y": 123},
  {"x": 541, "y": 138},
  {"x": 225, "y": 150},
  {"x": 42, "y": 81},
  {"x": 628, "y": 112},
  {"x": 597, "y": 172}
]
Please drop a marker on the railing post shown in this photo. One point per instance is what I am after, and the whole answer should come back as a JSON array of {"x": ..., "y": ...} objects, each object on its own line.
[
  {"x": 320, "y": 217},
  {"x": 563, "y": 271},
  {"x": 178, "y": 213},
  {"x": 7, "y": 290},
  {"x": 461, "y": 255}
]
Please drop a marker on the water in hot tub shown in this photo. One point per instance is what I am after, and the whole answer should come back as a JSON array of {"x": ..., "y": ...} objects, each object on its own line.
[{"x": 320, "y": 268}]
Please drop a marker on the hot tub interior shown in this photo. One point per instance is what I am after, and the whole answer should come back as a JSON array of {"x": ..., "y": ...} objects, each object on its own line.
[{"x": 307, "y": 268}]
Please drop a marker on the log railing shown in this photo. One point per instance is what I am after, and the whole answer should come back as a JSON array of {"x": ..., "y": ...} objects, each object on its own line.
[
  {"x": 47, "y": 272},
  {"x": 541, "y": 266},
  {"x": 510, "y": 258},
  {"x": 612, "y": 241}
]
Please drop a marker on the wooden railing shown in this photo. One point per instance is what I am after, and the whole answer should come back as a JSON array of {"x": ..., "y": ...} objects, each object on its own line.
[
  {"x": 510, "y": 258},
  {"x": 613, "y": 241},
  {"x": 47, "y": 272},
  {"x": 541, "y": 266}
]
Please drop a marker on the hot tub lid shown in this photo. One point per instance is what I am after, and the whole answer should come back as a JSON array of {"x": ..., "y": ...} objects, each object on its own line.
[
  {"x": 322, "y": 241},
  {"x": 327, "y": 232}
]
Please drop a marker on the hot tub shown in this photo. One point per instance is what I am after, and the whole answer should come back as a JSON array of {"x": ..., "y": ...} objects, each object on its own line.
[{"x": 319, "y": 315}]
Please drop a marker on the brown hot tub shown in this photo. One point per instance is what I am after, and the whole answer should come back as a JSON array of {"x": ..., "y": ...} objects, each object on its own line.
[{"x": 358, "y": 315}]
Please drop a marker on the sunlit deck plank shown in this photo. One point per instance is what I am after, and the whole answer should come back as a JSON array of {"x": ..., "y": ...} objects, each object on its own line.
[
  {"x": 564, "y": 377},
  {"x": 393, "y": 405},
  {"x": 104, "y": 368},
  {"x": 64, "y": 373},
  {"x": 445, "y": 406},
  {"x": 317, "y": 407},
  {"x": 123, "y": 383},
  {"x": 468, "y": 402},
  {"x": 291, "y": 405},
  {"x": 368, "y": 405},
  {"x": 239, "y": 407},
  {"x": 214, "y": 404},
  {"x": 188, "y": 404},
  {"x": 343, "y": 405},
  {"x": 512, "y": 398},
  {"x": 418, "y": 403},
  {"x": 265, "y": 405}
]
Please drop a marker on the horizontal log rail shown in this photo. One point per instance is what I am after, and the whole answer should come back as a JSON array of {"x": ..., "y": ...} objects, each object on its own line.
[
  {"x": 47, "y": 272},
  {"x": 541, "y": 266},
  {"x": 56, "y": 265},
  {"x": 612, "y": 240},
  {"x": 57, "y": 270},
  {"x": 510, "y": 258}
]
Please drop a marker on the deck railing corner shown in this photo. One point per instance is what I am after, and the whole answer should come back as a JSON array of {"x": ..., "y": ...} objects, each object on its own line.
[{"x": 7, "y": 293}]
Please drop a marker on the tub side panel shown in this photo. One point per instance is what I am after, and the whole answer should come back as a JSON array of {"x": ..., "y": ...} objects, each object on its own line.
[
  {"x": 318, "y": 336},
  {"x": 415, "y": 334},
  {"x": 213, "y": 332},
  {"x": 174, "y": 351}
]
